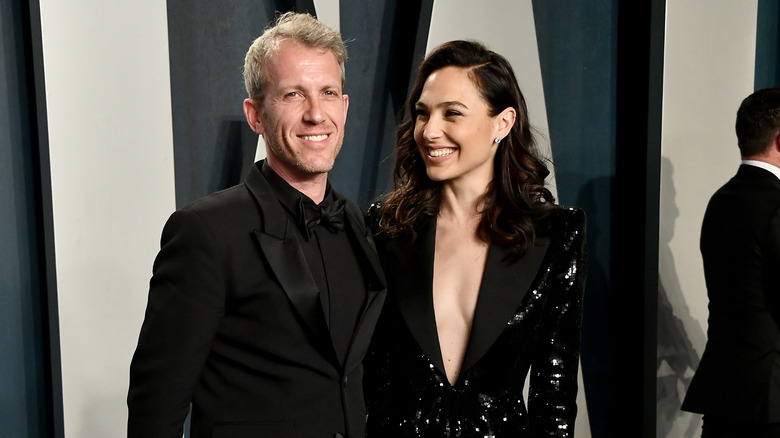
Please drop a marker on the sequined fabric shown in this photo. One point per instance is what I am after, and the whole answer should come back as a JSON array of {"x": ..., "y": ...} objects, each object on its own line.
[{"x": 408, "y": 396}]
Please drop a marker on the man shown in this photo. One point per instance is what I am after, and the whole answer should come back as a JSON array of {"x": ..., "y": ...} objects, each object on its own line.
[
  {"x": 737, "y": 384},
  {"x": 264, "y": 296}
]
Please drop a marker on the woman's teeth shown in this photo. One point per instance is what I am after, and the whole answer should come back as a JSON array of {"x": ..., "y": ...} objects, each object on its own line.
[{"x": 440, "y": 152}]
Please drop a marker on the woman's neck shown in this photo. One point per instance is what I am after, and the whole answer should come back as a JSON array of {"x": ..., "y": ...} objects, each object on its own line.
[{"x": 460, "y": 203}]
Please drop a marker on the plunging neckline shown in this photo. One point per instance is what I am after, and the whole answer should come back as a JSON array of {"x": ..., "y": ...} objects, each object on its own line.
[
  {"x": 454, "y": 307},
  {"x": 503, "y": 286}
]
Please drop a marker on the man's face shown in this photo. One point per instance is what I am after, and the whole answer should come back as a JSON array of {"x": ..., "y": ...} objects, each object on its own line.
[{"x": 303, "y": 112}]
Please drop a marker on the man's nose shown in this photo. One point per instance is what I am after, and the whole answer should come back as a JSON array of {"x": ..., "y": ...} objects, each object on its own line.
[{"x": 313, "y": 113}]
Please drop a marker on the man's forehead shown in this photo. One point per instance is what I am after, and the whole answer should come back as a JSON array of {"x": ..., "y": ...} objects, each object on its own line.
[{"x": 298, "y": 69}]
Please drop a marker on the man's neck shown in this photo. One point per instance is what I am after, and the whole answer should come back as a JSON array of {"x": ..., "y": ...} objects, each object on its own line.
[
  {"x": 767, "y": 165},
  {"x": 313, "y": 185},
  {"x": 773, "y": 159}
]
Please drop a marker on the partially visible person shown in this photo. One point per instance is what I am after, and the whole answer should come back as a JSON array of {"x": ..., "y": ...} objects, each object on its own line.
[
  {"x": 485, "y": 273},
  {"x": 737, "y": 383},
  {"x": 264, "y": 296}
]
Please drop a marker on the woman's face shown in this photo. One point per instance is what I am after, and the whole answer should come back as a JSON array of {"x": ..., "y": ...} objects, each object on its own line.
[{"x": 453, "y": 129}]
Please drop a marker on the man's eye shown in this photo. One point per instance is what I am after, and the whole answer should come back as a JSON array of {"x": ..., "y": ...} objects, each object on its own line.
[{"x": 292, "y": 94}]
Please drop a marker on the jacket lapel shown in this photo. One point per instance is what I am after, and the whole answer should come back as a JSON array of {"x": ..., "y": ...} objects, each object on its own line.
[
  {"x": 505, "y": 283},
  {"x": 282, "y": 249},
  {"x": 411, "y": 261}
]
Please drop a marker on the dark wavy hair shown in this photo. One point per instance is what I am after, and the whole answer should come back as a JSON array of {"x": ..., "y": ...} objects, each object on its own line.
[{"x": 516, "y": 200}]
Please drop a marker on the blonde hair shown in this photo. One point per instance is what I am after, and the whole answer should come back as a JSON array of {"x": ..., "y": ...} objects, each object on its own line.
[{"x": 301, "y": 28}]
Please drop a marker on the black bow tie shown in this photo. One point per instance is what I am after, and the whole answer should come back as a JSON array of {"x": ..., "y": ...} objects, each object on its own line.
[{"x": 310, "y": 215}]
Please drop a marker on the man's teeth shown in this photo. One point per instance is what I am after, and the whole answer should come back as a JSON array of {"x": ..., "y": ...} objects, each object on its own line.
[
  {"x": 440, "y": 152},
  {"x": 314, "y": 137}
]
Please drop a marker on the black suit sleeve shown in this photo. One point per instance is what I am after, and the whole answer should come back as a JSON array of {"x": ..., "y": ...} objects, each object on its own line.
[
  {"x": 186, "y": 303},
  {"x": 553, "y": 382}
]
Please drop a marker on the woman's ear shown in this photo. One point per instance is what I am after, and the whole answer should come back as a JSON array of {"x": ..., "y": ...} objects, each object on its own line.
[{"x": 504, "y": 121}]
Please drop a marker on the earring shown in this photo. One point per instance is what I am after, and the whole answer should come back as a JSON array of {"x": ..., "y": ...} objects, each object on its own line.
[{"x": 497, "y": 140}]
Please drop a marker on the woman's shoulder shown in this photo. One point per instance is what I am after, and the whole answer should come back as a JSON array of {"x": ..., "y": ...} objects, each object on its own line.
[
  {"x": 373, "y": 209},
  {"x": 562, "y": 213},
  {"x": 373, "y": 215},
  {"x": 564, "y": 222}
]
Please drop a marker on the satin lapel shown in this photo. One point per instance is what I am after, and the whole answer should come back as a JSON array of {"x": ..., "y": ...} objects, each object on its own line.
[
  {"x": 411, "y": 262},
  {"x": 504, "y": 285},
  {"x": 284, "y": 255},
  {"x": 376, "y": 286}
]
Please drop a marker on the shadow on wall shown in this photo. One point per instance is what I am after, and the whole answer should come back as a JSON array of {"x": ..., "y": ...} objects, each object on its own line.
[{"x": 678, "y": 331}]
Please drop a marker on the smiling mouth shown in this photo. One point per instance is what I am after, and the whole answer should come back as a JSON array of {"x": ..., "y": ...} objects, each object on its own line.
[
  {"x": 440, "y": 152},
  {"x": 314, "y": 137}
]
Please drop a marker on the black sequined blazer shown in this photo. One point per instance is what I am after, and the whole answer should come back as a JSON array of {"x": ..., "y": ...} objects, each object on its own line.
[{"x": 528, "y": 316}]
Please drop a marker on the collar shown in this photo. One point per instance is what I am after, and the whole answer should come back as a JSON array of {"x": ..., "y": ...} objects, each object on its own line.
[
  {"x": 288, "y": 195},
  {"x": 764, "y": 165}
]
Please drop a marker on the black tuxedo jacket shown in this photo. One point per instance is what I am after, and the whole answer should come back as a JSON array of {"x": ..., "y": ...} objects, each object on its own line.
[
  {"x": 234, "y": 325},
  {"x": 738, "y": 377}
]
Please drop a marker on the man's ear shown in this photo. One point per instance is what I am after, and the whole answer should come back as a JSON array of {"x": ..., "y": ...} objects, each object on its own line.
[
  {"x": 252, "y": 114},
  {"x": 772, "y": 153}
]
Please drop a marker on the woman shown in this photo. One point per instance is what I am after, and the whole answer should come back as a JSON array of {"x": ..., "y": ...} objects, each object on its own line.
[{"x": 485, "y": 273}]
